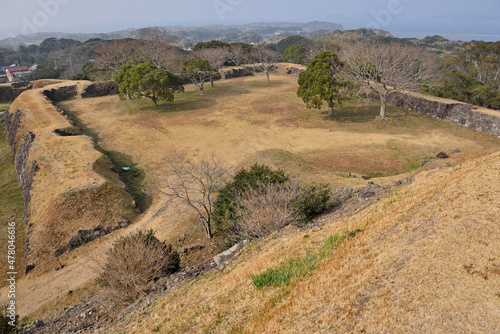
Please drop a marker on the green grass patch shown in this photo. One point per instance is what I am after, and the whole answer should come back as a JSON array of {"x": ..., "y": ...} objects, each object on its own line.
[
  {"x": 299, "y": 267},
  {"x": 4, "y": 107},
  {"x": 132, "y": 178}
]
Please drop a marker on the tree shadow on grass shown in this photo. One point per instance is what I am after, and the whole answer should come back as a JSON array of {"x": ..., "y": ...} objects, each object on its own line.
[
  {"x": 226, "y": 89},
  {"x": 366, "y": 113},
  {"x": 355, "y": 114}
]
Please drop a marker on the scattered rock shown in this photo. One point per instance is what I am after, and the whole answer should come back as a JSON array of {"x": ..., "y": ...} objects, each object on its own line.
[
  {"x": 222, "y": 258},
  {"x": 442, "y": 155},
  {"x": 75, "y": 242},
  {"x": 128, "y": 309},
  {"x": 86, "y": 235},
  {"x": 59, "y": 252},
  {"x": 424, "y": 163},
  {"x": 123, "y": 223},
  {"x": 457, "y": 150},
  {"x": 368, "y": 194},
  {"x": 185, "y": 250},
  {"x": 366, "y": 177}
]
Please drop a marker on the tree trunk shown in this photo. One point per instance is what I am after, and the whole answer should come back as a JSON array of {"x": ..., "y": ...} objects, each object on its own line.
[
  {"x": 202, "y": 90},
  {"x": 154, "y": 101},
  {"x": 330, "y": 105},
  {"x": 383, "y": 99},
  {"x": 206, "y": 225},
  {"x": 212, "y": 81},
  {"x": 267, "y": 75}
]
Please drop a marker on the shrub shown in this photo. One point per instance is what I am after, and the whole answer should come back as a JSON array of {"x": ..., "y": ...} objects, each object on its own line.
[
  {"x": 134, "y": 263},
  {"x": 312, "y": 200},
  {"x": 224, "y": 208},
  {"x": 259, "y": 201},
  {"x": 6, "y": 321},
  {"x": 265, "y": 209}
]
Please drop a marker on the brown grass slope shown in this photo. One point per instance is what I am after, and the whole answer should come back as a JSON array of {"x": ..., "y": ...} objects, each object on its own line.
[
  {"x": 68, "y": 192},
  {"x": 426, "y": 262}
]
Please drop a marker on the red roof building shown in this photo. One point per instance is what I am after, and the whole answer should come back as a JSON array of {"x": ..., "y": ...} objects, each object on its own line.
[{"x": 14, "y": 72}]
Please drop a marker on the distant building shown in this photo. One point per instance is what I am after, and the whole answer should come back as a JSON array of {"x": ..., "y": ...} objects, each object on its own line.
[{"x": 17, "y": 72}]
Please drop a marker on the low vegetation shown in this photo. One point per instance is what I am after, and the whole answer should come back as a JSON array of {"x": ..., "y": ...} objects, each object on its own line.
[
  {"x": 133, "y": 264},
  {"x": 472, "y": 75},
  {"x": 298, "y": 267},
  {"x": 8, "y": 322},
  {"x": 260, "y": 201}
]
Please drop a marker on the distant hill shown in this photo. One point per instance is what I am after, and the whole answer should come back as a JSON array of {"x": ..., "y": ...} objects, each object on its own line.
[
  {"x": 38, "y": 38},
  {"x": 197, "y": 34}
]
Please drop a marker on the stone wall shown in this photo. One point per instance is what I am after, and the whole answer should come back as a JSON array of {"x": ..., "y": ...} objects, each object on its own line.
[
  {"x": 236, "y": 73},
  {"x": 9, "y": 93},
  {"x": 25, "y": 172},
  {"x": 97, "y": 89},
  {"x": 11, "y": 126},
  {"x": 459, "y": 113},
  {"x": 62, "y": 93}
]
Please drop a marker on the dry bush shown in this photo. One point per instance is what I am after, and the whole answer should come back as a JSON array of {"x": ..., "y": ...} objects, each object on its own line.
[
  {"x": 134, "y": 263},
  {"x": 266, "y": 208}
]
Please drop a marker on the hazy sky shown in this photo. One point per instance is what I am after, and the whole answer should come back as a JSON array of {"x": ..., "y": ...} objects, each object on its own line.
[{"x": 429, "y": 16}]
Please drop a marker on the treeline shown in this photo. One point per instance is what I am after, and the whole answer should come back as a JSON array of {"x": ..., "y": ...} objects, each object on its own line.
[
  {"x": 55, "y": 58},
  {"x": 469, "y": 71},
  {"x": 472, "y": 75}
]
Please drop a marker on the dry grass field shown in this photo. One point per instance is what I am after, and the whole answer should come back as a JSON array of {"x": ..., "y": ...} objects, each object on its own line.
[
  {"x": 241, "y": 117},
  {"x": 245, "y": 121},
  {"x": 427, "y": 261}
]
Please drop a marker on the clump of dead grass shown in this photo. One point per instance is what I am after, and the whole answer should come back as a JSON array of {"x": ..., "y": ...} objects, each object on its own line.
[{"x": 133, "y": 264}]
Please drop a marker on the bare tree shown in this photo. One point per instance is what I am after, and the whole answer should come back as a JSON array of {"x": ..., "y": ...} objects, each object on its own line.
[
  {"x": 154, "y": 34},
  {"x": 262, "y": 61},
  {"x": 383, "y": 68},
  {"x": 238, "y": 54},
  {"x": 155, "y": 45},
  {"x": 111, "y": 56},
  {"x": 198, "y": 71},
  {"x": 216, "y": 57},
  {"x": 194, "y": 184}
]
